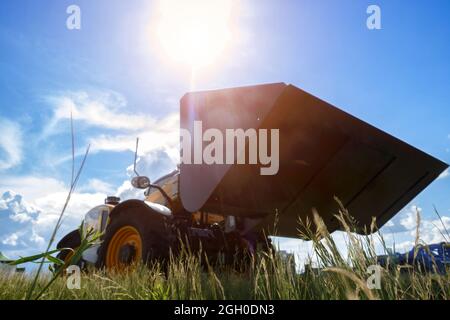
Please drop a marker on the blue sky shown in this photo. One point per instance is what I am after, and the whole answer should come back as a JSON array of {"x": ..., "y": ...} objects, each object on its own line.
[{"x": 115, "y": 74}]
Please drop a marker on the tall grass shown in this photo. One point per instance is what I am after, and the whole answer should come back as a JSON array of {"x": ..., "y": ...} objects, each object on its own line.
[
  {"x": 269, "y": 276},
  {"x": 46, "y": 257}
]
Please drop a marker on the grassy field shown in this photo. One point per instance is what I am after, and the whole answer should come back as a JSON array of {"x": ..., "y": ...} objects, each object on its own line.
[
  {"x": 188, "y": 281},
  {"x": 269, "y": 277}
]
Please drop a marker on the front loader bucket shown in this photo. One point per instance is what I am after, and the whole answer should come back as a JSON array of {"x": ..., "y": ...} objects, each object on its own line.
[{"x": 323, "y": 153}]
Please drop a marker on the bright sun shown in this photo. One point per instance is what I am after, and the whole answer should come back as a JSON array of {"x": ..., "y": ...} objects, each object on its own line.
[{"x": 194, "y": 32}]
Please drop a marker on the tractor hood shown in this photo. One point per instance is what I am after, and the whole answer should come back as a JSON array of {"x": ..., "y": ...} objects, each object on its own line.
[{"x": 323, "y": 153}]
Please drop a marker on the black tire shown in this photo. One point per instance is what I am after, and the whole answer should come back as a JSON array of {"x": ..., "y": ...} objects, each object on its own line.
[
  {"x": 71, "y": 240},
  {"x": 153, "y": 228}
]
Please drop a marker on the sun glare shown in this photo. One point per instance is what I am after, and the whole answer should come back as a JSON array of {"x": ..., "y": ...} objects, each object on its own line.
[{"x": 194, "y": 32}]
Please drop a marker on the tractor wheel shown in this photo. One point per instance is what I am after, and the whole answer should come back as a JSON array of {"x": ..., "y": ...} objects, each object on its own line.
[
  {"x": 71, "y": 240},
  {"x": 134, "y": 234}
]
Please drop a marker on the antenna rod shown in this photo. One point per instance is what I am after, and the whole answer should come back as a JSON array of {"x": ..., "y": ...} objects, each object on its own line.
[{"x": 135, "y": 156}]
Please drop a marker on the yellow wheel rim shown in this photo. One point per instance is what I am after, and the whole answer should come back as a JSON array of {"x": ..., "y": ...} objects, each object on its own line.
[{"x": 124, "y": 248}]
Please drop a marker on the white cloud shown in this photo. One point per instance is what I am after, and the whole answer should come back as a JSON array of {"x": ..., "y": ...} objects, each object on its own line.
[
  {"x": 40, "y": 241},
  {"x": 16, "y": 221},
  {"x": 444, "y": 174},
  {"x": 162, "y": 134},
  {"x": 404, "y": 246},
  {"x": 126, "y": 191},
  {"x": 52, "y": 204},
  {"x": 31, "y": 187},
  {"x": 96, "y": 185},
  {"x": 409, "y": 221},
  {"x": 108, "y": 110},
  {"x": 404, "y": 228},
  {"x": 430, "y": 230},
  {"x": 434, "y": 231},
  {"x": 100, "y": 109},
  {"x": 11, "y": 239},
  {"x": 390, "y": 224},
  {"x": 158, "y": 150},
  {"x": 25, "y": 228},
  {"x": 154, "y": 164},
  {"x": 17, "y": 210},
  {"x": 10, "y": 144}
]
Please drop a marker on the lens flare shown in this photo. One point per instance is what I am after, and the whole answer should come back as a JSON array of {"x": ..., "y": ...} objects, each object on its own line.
[{"x": 194, "y": 32}]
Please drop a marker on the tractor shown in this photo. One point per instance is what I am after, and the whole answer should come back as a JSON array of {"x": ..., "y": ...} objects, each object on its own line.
[{"x": 226, "y": 208}]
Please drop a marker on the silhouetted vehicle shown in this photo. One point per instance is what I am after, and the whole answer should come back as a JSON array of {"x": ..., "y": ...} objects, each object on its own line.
[{"x": 228, "y": 208}]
